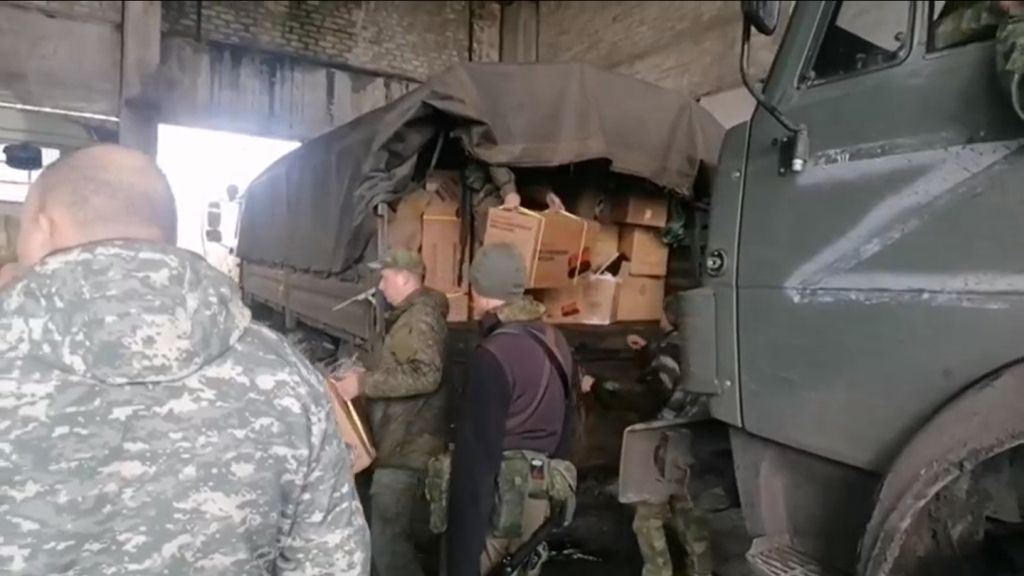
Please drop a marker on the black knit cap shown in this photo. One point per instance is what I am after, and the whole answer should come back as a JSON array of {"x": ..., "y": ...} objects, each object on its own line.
[{"x": 498, "y": 272}]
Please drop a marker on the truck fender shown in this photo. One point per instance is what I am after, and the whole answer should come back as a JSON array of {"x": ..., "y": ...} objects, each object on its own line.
[
  {"x": 981, "y": 422},
  {"x": 653, "y": 460}
]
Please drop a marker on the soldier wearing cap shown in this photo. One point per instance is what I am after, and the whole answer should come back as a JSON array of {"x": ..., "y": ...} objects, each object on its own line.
[{"x": 407, "y": 407}]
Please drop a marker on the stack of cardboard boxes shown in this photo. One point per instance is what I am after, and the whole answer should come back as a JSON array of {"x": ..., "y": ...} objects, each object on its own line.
[
  {"x": 569, "y": 256},
  {"x": 629, "y": 241}
]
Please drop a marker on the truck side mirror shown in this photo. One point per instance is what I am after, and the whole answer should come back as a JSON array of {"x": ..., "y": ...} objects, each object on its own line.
[
  {"x": 763, "y": 15},
  {"x": 214, "y": 236}
]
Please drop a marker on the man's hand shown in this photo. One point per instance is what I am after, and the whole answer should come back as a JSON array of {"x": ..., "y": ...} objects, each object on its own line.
[
  {"x": 348, "y": 386},
  {"x": 554, "y": 202},
  {"x": 512, "y": 201},
  {"x": 587, "y": 383},
  {"x": 636, "y": 342}
]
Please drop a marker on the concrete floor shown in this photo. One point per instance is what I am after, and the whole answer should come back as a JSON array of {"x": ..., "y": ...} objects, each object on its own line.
[
  {"x": 601, "y": 542},
  {"x": 729, "y": 542}
]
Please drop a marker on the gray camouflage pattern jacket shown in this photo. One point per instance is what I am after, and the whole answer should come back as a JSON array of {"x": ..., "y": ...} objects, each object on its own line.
[{"x": 147, "y": 426}]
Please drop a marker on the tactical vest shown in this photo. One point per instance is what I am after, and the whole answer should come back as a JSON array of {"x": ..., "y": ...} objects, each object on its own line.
[{"x": 524, "y": 474}]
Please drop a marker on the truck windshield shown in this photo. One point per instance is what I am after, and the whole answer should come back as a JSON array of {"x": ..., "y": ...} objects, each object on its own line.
[{"x": 862, "y": 36}]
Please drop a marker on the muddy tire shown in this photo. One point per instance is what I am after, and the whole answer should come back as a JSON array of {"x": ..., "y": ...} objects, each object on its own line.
[{"x": 930, "y": 516}]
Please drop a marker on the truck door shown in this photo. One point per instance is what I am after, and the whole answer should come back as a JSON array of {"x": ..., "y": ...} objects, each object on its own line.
[{"x": 876, "y": 283}]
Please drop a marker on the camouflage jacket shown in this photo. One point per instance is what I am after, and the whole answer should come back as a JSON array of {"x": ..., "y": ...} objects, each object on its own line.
[
  {"x": 148, "y": 427},
  {"x": 665, "y": 372},
  {"x": 407, "y": 401},
  {"x": 963, "y": 22}
]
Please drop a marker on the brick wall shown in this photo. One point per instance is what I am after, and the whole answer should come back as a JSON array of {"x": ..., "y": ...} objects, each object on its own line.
[
  {"x": 413, "y": 39},
  {"x": 104, "y": 11},
  {"x": 687, "y": 46}
]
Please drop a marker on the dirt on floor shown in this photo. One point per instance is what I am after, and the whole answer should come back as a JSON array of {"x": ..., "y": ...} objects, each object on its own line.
[{"x": 729, "y": 542}]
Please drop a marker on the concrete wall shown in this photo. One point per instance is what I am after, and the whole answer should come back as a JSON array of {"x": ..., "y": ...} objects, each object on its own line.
[
  {"x": 688, "y": 46},
  {"x": 225, "y": 87},
  {"x": 413, "y": 39},
  {"x": 296, "y": 69},
  {"x": 281, "y": 69},
  {"x": 100, "y": 11},
  {"x": 64, "y": 55}
]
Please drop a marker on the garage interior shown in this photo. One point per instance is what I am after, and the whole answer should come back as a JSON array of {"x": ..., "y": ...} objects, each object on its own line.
[{"x": 218, "y": 91}]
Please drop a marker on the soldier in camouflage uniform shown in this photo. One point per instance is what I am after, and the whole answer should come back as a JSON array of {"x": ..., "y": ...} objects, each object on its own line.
[
  {"x": 407, "y": 407},
  {"x": 147, "y": 425},
  {"x": 493, "y": 186},
  {"x": 963, "y": 22},
  {"x": 682, "y": 510}
]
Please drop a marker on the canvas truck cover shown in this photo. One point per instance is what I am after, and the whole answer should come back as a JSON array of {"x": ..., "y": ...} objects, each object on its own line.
[{"x": 312, "y": 210}]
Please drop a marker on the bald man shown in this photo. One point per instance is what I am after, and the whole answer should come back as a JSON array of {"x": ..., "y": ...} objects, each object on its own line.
[{"x": 147, "y": 425}]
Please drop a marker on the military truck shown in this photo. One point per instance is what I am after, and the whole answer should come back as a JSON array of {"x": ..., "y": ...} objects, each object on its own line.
[
  {"x": 861, "y": 319},
  {"x": 312, "y": 221}
]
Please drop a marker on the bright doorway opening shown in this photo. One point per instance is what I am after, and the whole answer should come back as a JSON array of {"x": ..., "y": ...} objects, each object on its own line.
[{"x": 201, "y": 165}]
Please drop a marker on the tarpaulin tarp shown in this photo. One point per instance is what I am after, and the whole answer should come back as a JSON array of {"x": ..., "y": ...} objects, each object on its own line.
[{"x": 312, "y": 210}]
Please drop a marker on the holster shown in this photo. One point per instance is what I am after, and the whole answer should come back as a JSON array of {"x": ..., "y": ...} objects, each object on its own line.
[{"x": 523, "y": 475}]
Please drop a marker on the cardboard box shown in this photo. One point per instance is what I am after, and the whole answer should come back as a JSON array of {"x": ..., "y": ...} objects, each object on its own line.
[
  {"x": 439, "y": 196},
  {"x": 606, "y": 245},
  {"x": 441, "y": 251},
  {"x": 640, "y": 210},
  {"x": 640, "y": 299},
  {"x": 555, "y": 246},
  {"x": 458, "y": 307},
  {"x": 441, "y": 230},
  {"x": 591, "y": 301},
  {"x": 352, "y": 431},
  {"x": 647, "y": 254}
]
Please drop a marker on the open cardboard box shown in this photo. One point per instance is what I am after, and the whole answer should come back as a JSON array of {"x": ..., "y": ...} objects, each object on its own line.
[
  {"x": 647, "y": 254},
  {"x": 602, "y": 299},
  {"x": 555, "y": 245}
]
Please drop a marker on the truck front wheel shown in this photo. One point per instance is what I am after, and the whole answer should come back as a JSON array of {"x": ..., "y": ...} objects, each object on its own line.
[
  {"x": 970, "y": 527},
  {"x": 951, "y": 503}
]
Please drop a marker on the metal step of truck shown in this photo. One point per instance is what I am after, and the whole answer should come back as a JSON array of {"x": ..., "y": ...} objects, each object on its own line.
[{"x": 780, "y": 557}]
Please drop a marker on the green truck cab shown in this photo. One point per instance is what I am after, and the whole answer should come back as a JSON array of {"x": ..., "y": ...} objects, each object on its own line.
[{"x": 861, "y": 319}]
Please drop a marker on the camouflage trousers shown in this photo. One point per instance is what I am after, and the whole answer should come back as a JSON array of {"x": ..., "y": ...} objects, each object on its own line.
[
  {"x": 690, "y": 526},
  {"x": 393, "y": 500},
  {"x": 496, "y": 549}
]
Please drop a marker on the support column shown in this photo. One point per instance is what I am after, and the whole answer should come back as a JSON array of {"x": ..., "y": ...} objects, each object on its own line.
[
  {"x": 140, "y": 63},
  {"x": 520, "y": 28},
  {"x": 485, "y": 31}
]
